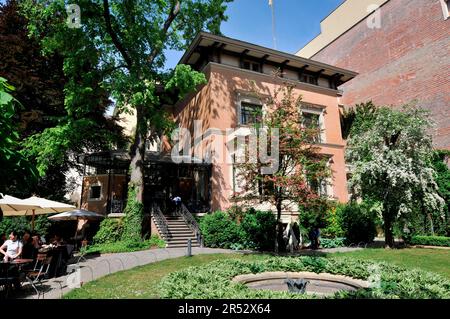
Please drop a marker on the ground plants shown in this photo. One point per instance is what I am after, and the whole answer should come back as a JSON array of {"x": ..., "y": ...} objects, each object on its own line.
[{"x": 214, "y": 280}]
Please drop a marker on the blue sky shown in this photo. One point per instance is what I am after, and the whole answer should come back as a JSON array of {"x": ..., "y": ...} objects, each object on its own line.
[{"x": 297, "y": 22}]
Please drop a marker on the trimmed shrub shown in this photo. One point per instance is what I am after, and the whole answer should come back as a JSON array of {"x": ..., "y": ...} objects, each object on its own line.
[
  {"x": 214, "y": 281},
  {"x": 431, "y": 241},
  {"x": 110, "y": 231},
  {"x": 220, "y": 231},
  {"x": 358, "y": 222},
  {"x": 259, "y": 229},
  {"x": 125, "y": 246}
]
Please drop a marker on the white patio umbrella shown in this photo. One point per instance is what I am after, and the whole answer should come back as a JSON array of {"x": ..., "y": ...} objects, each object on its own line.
[
  {"x": 44, "y": 206},
  {"x": 12, "y": 206},
  {"x": 77, "y": 214}
]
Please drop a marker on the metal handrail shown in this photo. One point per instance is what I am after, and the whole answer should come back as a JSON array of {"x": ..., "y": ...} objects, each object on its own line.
[
  {"x": 191, "y": 222},
  {"x": 160, "y": 221}
]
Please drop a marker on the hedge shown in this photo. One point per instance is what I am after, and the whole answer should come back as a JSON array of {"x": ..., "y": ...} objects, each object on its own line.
[
  {"x": 125, "y": 246},
  {"x": 214, "y": 280},
  {"x": 431, "y": 241}
]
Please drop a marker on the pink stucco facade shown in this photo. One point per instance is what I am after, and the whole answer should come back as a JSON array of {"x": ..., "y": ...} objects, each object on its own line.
[{"x": 217, "y": 104}]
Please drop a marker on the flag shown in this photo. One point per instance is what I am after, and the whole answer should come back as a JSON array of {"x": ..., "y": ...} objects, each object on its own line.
[{"x": 270, "y": 2}]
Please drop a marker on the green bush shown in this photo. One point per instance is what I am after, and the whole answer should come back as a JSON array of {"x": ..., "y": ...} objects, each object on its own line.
[
  {"x": 126, "y": 246},
  {"x": 220, "y": 231},
  {"x": 430, "y": 241},
  {"x": 358, "y": 222},
  {"x": 332, "y": 242},
  {"x": 333, "y": 223},
  {"x": 42, "y": 225},
  {"x": 110, "y": 231},
  {"x": 316, "y": 214},
  {"x": 259, "y": 229},
  {"x": 214, "y": 281},
  {"x": 19, "y": 224}
]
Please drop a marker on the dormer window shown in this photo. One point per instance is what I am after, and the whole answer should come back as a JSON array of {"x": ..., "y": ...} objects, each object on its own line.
[
  {"x": 307, "y": 78},
  {"x": 252, "y": 66}
]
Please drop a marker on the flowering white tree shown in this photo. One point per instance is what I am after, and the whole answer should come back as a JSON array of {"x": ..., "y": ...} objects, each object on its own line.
[{"x": 391, "y": 163}]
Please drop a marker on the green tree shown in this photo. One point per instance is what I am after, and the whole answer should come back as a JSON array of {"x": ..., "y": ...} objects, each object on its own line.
[
  {"x": 443, "y": 182},
  {"x": 125, "y": 42},
  {"x": 391, "y": 163},
  {"x": 50, "y": 135},
  {"x": 14, "y": 167},
  {"x": 298, "y": 169}
]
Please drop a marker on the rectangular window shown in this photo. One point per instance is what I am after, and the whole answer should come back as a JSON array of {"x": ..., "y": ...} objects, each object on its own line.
[
  {"x": 312, "y": 121},
  {"x": 248, "y": 65},
  {"x": 95, "y": 192},
  {"x": 307, "y": 78},
  {"x": 250, "y": 113},
  {"x": 319, "y": 187}
]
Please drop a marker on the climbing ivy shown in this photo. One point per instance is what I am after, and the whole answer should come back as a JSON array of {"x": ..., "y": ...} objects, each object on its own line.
[{"x": 134, "y": 211}]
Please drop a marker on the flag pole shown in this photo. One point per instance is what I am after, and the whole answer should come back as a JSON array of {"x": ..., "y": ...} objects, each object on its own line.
[{"x": 273, "y": 25}]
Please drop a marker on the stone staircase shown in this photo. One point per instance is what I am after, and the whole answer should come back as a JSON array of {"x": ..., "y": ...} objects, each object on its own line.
[{"x": 179, "y": 233}]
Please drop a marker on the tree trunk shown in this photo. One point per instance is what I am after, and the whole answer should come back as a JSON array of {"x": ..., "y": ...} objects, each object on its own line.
[
  {"x": 137, "y": 155},
  {"x": 278, "y": 227},
  {"x": 388, "y": 235},
  {"x": 134, "y": 210}
]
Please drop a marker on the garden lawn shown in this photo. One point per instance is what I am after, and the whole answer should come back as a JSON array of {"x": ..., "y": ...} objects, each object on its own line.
[
  {"x": 142, "y": 282},
  {"x": 433, "y": 260}
]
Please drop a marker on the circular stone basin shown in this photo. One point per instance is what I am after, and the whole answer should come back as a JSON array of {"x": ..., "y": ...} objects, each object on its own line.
[{"x": 322, "y": 284}]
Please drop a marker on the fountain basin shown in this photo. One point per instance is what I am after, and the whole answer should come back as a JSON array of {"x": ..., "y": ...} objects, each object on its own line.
[{"x": 322, "y": 284}]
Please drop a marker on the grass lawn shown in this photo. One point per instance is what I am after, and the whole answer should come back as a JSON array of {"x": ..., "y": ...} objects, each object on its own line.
[
  {"x": 433, "y": 260},
  {"x": 142, "y": 282}
]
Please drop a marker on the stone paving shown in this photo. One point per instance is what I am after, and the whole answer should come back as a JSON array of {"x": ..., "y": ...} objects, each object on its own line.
[{"x": 93, "y": 268}]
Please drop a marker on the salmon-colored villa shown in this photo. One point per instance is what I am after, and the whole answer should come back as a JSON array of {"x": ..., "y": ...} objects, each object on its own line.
[{"x": 224, "y": 103}]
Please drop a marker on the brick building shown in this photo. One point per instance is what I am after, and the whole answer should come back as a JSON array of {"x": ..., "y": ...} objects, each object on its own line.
[{"x": 401, "y": 52}]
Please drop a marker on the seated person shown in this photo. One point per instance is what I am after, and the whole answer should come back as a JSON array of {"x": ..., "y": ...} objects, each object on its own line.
[
  {"x": 28, "y": 250},
  {"x": 37, "y": 242},
  {"x": 58, "y": 241},
  {"x": 13, "y": 247},
  {"x": 2, "y": 238}
]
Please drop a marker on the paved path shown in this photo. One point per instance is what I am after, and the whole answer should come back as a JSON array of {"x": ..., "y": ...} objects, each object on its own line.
[{"x": 94, "y": 268}]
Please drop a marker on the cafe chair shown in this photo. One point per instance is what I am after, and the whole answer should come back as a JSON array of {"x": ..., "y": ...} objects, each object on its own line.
[
  {"x": 6, "y": 278},
  {"x": 39, "y": 273}
]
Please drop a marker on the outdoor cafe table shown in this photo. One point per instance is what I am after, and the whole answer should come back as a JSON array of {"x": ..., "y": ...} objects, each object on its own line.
[{"x": 19, "y": 263}]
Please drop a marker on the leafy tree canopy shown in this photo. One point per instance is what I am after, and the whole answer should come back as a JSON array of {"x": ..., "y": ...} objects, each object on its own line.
[{"x": 391, "y": 163}]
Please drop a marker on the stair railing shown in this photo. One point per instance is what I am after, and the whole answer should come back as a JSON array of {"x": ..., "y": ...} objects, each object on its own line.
[
  {"x": 191, "y": 222},
  {"x": 161, "y": 221}
]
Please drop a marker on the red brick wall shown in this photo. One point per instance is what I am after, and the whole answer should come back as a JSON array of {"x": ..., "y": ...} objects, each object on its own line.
[{"x": 407, "y": 59}]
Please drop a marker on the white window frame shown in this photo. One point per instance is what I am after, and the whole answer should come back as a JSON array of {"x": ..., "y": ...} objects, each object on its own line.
[
  {"x": 319, "y": 112},
  {"x": 91, "y": 199},
  {"x": 445, "y": 8},
  {"x": 246, "y": 98}
]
